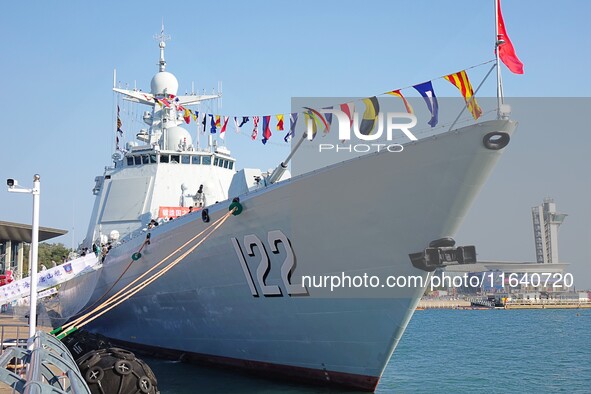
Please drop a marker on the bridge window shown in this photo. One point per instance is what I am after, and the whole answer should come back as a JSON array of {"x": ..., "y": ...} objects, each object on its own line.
[
  {"x": 174, "y": 159},
  {"x": 231, "y": 165},
  {"x": 146, "y": 159},
  {"x": 196, "y": 160},
  {"x": 153, "y": 158},
  {"x": 138, "y": 160},
  {"x": 215, "y": 161},
  {"x": 226, "y": 163},
  {"x": 206, "y": 160},
  {"x": 185, "y": 159},
  {"x": 129, "y": 160},
  {"x": 164, "y": 158}
]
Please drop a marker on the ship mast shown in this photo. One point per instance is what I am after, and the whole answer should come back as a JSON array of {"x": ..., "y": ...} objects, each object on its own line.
[{"x": 162, "y": 38}]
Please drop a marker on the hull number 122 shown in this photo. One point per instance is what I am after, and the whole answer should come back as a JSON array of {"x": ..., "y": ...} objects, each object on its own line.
[{"x": 274, "y": 238}]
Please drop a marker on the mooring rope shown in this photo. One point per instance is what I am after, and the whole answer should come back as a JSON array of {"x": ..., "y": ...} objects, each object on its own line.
[
  {"x": 146, "y": 242},
  {"x": 127, "y": 292},
  {"x": 137, "y": 279}
]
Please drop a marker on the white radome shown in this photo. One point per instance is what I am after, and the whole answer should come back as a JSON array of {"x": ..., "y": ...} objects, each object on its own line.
[
  {"x": 164, "y": 83},
  {"x": 176, "y": 136}
]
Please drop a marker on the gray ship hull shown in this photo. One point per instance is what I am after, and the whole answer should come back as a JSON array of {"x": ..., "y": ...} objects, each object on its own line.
[{"x": 204, "y": 308}]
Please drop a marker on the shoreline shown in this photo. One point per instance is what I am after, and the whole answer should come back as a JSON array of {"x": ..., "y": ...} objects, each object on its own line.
[{"x": 466, "y": 305}]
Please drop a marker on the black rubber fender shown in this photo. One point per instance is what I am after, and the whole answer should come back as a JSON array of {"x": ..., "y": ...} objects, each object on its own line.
[
  {"x": 122, "y": 353},
  {"x": 90, "y": 360},
  {"x": 117, "y": 371},
  {"x": 122, "y": 367},
  {"x": 94, "y": 374},
  {"x": 496, "y": 140},
  {"x": 205, "y": 215}
]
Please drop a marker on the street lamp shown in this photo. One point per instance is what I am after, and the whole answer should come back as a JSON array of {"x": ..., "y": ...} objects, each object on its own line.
[{"x": 13, "y": 187}]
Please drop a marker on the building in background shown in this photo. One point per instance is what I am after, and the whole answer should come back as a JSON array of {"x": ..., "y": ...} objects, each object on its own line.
[
  {"x": 13, "y": 236},
  {"x": 546, "y": 222},
  {"x": 546, "y": 278}
]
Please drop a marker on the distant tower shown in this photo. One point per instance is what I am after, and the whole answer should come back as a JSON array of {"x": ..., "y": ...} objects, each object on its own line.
[{"x": 546, "y": 221}]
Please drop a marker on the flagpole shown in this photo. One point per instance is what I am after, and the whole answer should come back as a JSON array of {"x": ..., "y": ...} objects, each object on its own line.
[{"x": 498, "y": 42}]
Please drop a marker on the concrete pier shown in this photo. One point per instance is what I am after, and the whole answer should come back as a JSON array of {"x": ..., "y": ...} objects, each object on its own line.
[{"x": 443, "y": 304}]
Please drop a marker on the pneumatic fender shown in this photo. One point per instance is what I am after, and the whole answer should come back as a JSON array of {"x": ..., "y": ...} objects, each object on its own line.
[{"x": 115, "y": 370}]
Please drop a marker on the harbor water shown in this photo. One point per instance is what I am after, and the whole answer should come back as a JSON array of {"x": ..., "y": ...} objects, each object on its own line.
[{"x": 461, "y": 351}]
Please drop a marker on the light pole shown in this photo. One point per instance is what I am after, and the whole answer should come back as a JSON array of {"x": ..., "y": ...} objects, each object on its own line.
[{"x": 35, "y": 191}]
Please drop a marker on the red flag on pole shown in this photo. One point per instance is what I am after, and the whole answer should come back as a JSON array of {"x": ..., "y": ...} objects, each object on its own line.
[{"x": 505, "y": 46}]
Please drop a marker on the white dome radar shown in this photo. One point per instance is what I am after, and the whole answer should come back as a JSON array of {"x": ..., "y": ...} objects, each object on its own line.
[
  {"x": 178, "y": 138},
  {"x": 164, "y": 83}
]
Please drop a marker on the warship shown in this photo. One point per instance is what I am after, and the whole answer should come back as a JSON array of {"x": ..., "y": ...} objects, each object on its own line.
[{"x": 238, "y": 299}]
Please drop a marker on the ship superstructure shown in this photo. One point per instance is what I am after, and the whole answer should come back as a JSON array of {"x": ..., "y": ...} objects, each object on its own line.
[{"x": 163, "y": 171}]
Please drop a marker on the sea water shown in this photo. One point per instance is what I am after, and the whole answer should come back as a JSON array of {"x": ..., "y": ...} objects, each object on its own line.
[{"x": 445, "y": 351}]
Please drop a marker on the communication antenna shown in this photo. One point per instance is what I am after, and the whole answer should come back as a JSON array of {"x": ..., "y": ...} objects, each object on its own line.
[{"x": 162, "y": 38}]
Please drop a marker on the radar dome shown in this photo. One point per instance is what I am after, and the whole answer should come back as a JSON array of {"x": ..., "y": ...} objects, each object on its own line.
[
  {"x": 164, "y": 83},
  {"x": 178, "y": 138}
]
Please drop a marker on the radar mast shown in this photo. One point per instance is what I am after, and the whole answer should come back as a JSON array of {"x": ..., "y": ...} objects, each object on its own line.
[{"x": 162, "y": 38}]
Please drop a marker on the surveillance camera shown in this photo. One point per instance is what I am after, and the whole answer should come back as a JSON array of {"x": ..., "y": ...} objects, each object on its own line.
[{"x": 11, "y": 182}]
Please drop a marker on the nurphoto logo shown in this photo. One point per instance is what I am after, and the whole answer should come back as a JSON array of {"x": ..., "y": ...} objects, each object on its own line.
[{"x": 366, "y": 131}]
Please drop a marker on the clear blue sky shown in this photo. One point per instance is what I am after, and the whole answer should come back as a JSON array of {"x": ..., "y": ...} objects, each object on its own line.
[{"x": 58, "y": 58}]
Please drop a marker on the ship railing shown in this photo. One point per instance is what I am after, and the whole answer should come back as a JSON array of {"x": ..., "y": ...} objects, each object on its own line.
[
  {"x": 41, "y": 366},
  {"x": 137, "y": 233},
  {"x": 134, "y": 234}
]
